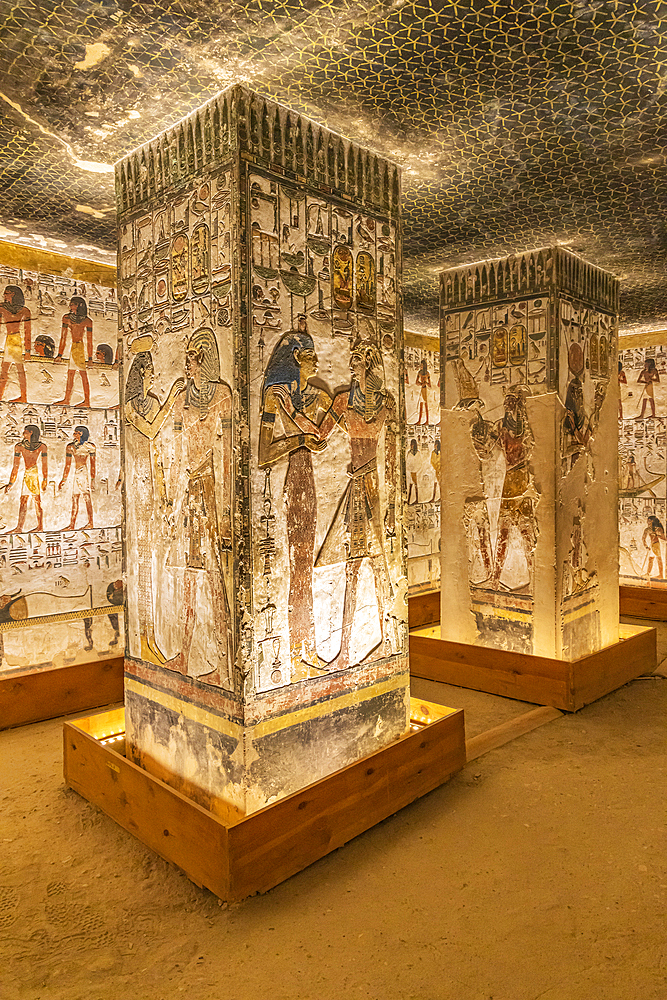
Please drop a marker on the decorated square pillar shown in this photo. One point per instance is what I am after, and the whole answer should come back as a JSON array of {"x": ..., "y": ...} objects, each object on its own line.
[
  {"x": 529, "y": 477},
  {"x": 259, "y": 284}
]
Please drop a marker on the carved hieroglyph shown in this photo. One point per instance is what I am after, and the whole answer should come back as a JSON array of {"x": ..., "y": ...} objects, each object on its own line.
[
  {"x": 529, "y": 346},
  {"x": 642, "y": 463},
  {"x": 61, "y": 590},
  {"x": 263, "y": 406}
]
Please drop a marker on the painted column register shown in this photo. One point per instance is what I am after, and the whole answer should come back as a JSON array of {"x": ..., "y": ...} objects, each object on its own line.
[
  {"x": 259, "y": 287},
  {"x": 529, "y": 475}
]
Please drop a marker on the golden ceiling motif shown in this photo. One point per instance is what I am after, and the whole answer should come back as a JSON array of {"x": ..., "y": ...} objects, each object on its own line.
[{"x": 517, "y": 124}]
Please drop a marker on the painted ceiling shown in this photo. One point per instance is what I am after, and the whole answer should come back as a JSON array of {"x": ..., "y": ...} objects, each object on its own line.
[{"x": 516, "y": 124}]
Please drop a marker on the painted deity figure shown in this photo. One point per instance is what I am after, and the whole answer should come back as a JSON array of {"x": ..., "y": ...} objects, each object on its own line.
[
  {"x": 145, "y": 416},
  {"x": 363, "y": 411},
  {"x": 15, "y": 318},
  {"x": 288, "y": 394},
  {"x": 648, "y": 377},
  {"x": 512, "y": 436},
  {"x": 31, "y": 450},
  {"x": 82, "y": 452},
  {"x": 206, "y": 409},
  {"x": 77, "y": 324}
]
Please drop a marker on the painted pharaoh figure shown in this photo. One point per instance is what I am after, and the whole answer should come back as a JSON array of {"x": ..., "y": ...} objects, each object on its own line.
[
  {"x": 145, "y": 416},
  {"x": 288, "y": 393},
  {"x": 205, "y": 410}
]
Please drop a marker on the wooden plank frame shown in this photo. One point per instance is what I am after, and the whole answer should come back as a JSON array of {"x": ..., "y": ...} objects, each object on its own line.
[
  {"x": 563, "y": 684},
  {"x": 424, "y": 609},
  {"x": 643, "y": 602},
  {"x": 238, "y": 858},
  {"x": 32, "y": 696}
]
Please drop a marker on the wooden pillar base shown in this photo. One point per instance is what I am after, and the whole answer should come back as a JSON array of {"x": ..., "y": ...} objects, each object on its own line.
[
  {"x": 236, "y": 858},
  {"x": 424, "y": 609},
  {"x": 643, "y": 602},
  {"x": 563, "y": 684},
  {"x": 45, "y": 694}
]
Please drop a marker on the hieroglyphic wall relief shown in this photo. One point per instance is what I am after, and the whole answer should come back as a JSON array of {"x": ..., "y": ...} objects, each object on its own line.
[
  {"x": 422, "y": 461},
  {"x": 642, "y": 467},
  {"x": 263, "y": 404},
  {"x": 61, "y": 590},
  {"x": 528, "y": 347}
]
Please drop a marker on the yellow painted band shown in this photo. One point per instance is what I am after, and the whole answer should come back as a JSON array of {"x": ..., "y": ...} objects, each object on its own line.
[
  {"x": 48, "y": 262},
  {"x": 193, "y": 712},
  {"x": 202, "y": 716},
  {"x": 357, "y": 697},
  {"x": 641, "y": 339},
  {"x": 422, "y": 341}
]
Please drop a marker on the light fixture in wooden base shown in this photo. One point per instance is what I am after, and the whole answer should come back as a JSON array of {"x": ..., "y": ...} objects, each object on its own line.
[
  {"x": 643, "y": 602},
  {"x": 254, "y": 853},
  {"x": 564, "y": 684},
  {"x": 35, "y": 695}
]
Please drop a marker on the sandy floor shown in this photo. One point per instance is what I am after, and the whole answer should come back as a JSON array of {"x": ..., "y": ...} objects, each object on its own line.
[{"x": 537, "y": 873}]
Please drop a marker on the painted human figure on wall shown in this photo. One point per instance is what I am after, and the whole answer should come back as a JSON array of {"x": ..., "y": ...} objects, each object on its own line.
[
  {"x": 363, "y": 411},
  {"x": 423, "y": 380},
  {"x": 288, "y": 394},
  {"x": 206, "y": 408},
  {"x": 576, "y": 423},
  {"x": 413, "y": 464},
  {"x": 78, "y": 324},
  {"x": 31, "y": 450},
  {"x": 435, "y": 465},
  {"x": 654, "y": 534},
  {"x": 622, "y": 380},
  {"x": 145, "y": 416},
  {"x": 15, "y": 318},
  {"x": 512, "y": 436},
  {"x": 648, "y": 377},
  {"x": 82, "y": 452}
]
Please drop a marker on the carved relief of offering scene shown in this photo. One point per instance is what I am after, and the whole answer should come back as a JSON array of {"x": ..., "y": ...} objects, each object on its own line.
[
  {"x": 176, "y": 313},
  {"x": 642, "y": 466},
  {"x": 497, "y": 357},
  {"x": 60, "y": 500},
  {"x": 422, "y": 465},
  {"x": 324, "y": 374}
]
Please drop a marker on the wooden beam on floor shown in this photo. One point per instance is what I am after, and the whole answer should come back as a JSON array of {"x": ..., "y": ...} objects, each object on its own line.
[{"x": 510, "y": 730}]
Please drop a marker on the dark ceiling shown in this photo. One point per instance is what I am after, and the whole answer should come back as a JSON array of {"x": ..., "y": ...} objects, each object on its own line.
[{"x": 516, "y": 124}]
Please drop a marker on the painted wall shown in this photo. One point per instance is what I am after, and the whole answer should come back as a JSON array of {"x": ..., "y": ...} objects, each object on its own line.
[
  {"x": 264, "y": 432},
  {"x": 61, "y": 588},
  {"x": 529, "y": 398},
  {"x": 422, "y": 461},
  {"x": 642, "y": 467}
]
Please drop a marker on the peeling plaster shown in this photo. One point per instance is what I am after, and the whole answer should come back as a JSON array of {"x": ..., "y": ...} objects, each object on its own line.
[{"x": 95, "y": 53}]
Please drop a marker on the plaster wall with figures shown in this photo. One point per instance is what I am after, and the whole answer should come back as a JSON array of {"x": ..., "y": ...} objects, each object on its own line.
[
  {"x": 61, "y": 591},
  {"x": 642, "y": 464}
]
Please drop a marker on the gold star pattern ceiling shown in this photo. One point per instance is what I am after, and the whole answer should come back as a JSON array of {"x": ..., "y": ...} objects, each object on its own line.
[{"x": 516, "y": 124}]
